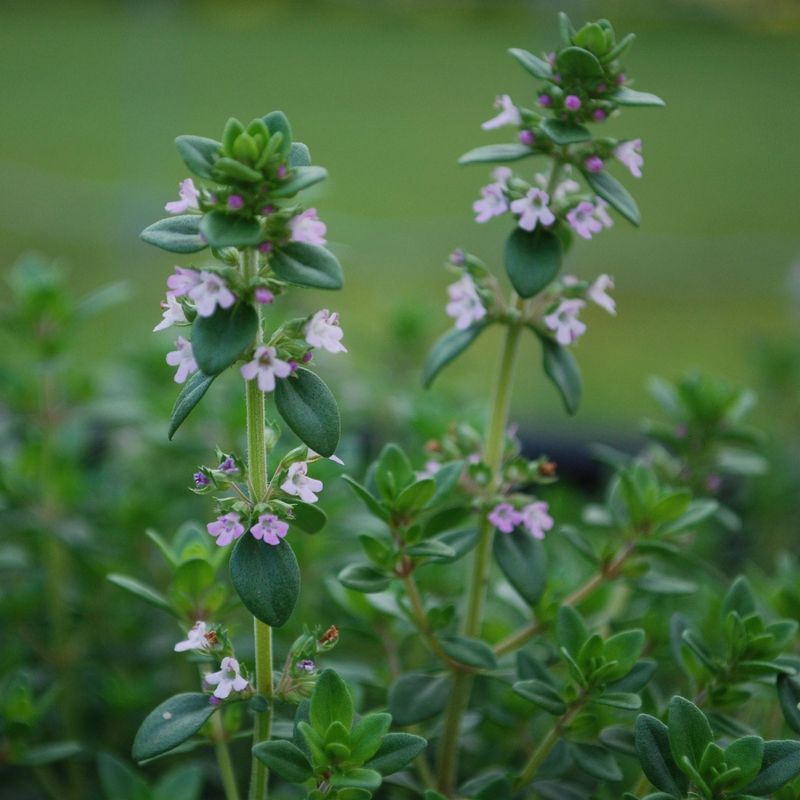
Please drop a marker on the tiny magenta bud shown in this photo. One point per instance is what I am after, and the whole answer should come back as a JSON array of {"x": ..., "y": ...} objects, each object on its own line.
[
  {"x": 572, "y": 102},
  {"x": 307, "y": 357},
  {"x": 265, "y": 247},
  {"x": 293, "y": 365},
  {"x": 601, "y": 88},
  {"x": 594, "y": 164},
  {"x": 457, "y": 257},
  {"x": 267, "y": 210},
  {"x": 264, "y": 296},
  {"x": 598, "y": 115},
  {"x": 235, "y": 201},
  {"x": 281, "y": 171},
  {"x": 200, "y": 480},
  {"x": 620, "y": 79},
  {"x": 526, "y": 137},
  {"x": 545, "y": 100}
]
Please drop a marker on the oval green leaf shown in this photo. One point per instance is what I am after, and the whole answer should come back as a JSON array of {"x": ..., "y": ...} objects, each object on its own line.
[
  {"x": 363, "y": 578},
  {"x": 537, "y": 67},
  {"x": 579, "y": 63},
  {"x": 496, "y": 153},
  {"x": 562, "y": 369},
  {"x": 417, "y": 697},
  {"x": 179, "y": 234},
  {"x": 228, "y": 230},
  {"x": 447, "y": 348},
  {"x": 532, "y": 260},
  {"x": 630, "y": 97},
  {"x": 299, "y": 155},
  {"x": 199, "y": 154},
  {"x": 307, "y": 265},
  {"x": 171, "y": 724},
  {"x": 218, "y": 340},
  {"x": 396, "y": 751},
  {"x": 190, "y": 395},
  {"x": 300, "y": 178},
  {"x": 472, "y": 652},
  {"x": 564, "y": 132},
  {"x": 523, "y": 561},
  {"x": 614, "y": 193},
  {"x": 284, "y": 758}
]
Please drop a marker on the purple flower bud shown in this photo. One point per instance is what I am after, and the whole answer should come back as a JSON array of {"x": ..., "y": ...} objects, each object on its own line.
[
  {"x": 281, "y": 171},
  {"x": 264, "y": 296},
  {"x": 214, "y": 701},
  {"x": 601, "y": 88},
  {"x": 551, "y": 58},
  {"x": 235, "y": 201},
  {"x": 545, "y": 100},
  {"x": 265, "y": 247},
  {"x": 620, "y": 79},
  {"x": 598, "y": 115},
  {"x": 228, "y": 466},
  {"x": 293, "y": 365},
  {"x": 306, "y": 665},
  {"x": 572, "y": 102},
  {"x": 594, "y": 164},
  {"x": 526, "y": 137},
  {"x": 267, "y": 210},
  {"x": 200, "y": 480},
  {"x": 457, "y": 257},
  {"x": 307, "y": 357}
]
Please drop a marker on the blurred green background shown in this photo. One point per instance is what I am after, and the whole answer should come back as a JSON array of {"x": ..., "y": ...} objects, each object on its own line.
[{"x": 388, "y": 95}]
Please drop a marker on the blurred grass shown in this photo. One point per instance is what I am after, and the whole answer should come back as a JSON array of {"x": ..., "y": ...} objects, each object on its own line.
[{"x": 388, "y": 96}]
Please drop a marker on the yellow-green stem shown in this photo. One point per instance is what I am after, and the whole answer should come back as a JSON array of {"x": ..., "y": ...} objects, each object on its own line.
[
  {"x": 476, "y": 593},
  {"x": 224, "y": 762},
  {"x": 259, "y": 483}
]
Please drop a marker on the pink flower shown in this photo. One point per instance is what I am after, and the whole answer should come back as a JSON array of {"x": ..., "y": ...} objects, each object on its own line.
[
  {"x": 270, "y": 529},
  {"x": 583, "y": 221},
  {"x": 265, "y": 366},
  {"x": 509, "y": 114},
  {"x": 226, "y": 528},
  {"x": 211, "y": 291},
  {"x": 298, "y": 484},
  {"x": 264, "y": 296},
  {"x": 598, "y": 293},
  {"x": 173, "y": 312},
  {"x": 182, "y": 282},
  {"x": 536, "y": 519},
  {"x": 504, "y": 517},
  {"x": 188, "y": 194},
  {"x": 601, "y": 212},
  {"x": 532, "y": 210},
  {"x": 308, "y": 228},
  {"x": 323, "y": 330},
  {"x": 565, "y": 323},
  {"x": 630, "y": 154},
  {"x": 195, "y": 638},
  {"x": 493, "y": 203},
  {"x": 572, "y": 102},
  {"x": 594, "y": 164},
  {"x": 465, "y": 304},
  {"x": 182, "y": 358},
  {"x": 228, "y": 679}
]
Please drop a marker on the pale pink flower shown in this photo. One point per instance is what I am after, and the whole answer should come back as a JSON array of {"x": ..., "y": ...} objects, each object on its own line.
[
  {"x": 429, "y": 470},
  {"x": 565, "y": 323},
  {"x": 195, "y": 638},
  {"x": 182, "y": 282},
  {"x": 630, "y": 154},
  {"x": 323, "y": 330},
  {"x": 535, "y": 518},
  {"x": 501, "y": 176},
  {"x": 308, "y": 228},
  {"x": 509, "y": 114},
  {"x": 532, "y": 210},
  {"x": 504, "y": 517},
  {"x": 465, "y": 305},
  {"x": 211, "y": 291},
  {"x": 226, "y": 528},
  {"x": 601, "y": 212},
  {"x": 270, "y": 529},
  {"x": 493, "y": 203},
  {"x": 172, "y": 313},
  {"x": 266, "y": 366},
  {"x": 189, "y": 196},
  {"x": 583, "y": 221},
  {"x": 566, "y": 187},
  {"x": 182, "y": 358},
  {"x": 228, "y": 679},
  {"x": 298, "y": 484},
  {"x": 598, "y": 293}
]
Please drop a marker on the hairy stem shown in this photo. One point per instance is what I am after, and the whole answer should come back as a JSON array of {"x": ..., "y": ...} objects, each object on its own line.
[
  {"x": 476, "y": 593},
  {"x": 224, "y": 758},
  {"x": 259, "y": 484}
]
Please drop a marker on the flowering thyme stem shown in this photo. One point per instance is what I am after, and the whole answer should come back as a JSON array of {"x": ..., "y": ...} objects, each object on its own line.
[
  {"x": 224, "y": 759},
  {"x": 259, "y": 483},
  {"x": 493, "y": 456}
]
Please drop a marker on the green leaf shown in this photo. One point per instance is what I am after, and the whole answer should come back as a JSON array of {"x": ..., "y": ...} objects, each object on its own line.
[
  {"x": 462, "y": 541},
  {"x": 689, "y": 731},
  {"x": 596, "y": 761},
  {"x": 614, "y": 193},
  {"x": 415, "y": 496},
  {"x": 496, "y": 153},
  {"x": 472, "y": 652},
  {"x": 396, "y": 751},
  {"x": 655, "y": 756},
  {"x": 357, "y": 778},
  {"x": 285, "y": 758},
  {"x": 199, "y": 154},
  {"x": 532, "y": 260},
  {"x": 364, "y": 578},
  {"x": 789, "y": 697},
  {"x": 562, "y": 369},
  {"x": 331, "y": 702},
  {"x": 739, "y": 598},
  {"x": 393, "y": 471},
  {"x": 190, "y": 395},
  {"x": 630, "y": 97},
  {"x": 637, "y": 677},
  {"x": 367, "y": 735},
  {"x": 523, "y": 561},
  {"x": 580, "y": 63},
  {"x": 624, "y": 648},
  {"x": 543, "y": 695},
  {"x": 658, "y": 583},
  {"x": 625, "y": 700},
  {"x": 277, "y": 122},
  {"x": 417, "y": 697},
  {"x": 180, "y": 783},
  {"x": 747, "y": 754},
  {"x": 537, "y": 67},
  {"x": 267, "y": 579},
  {"x": 781, "y": 764},
  {"x": 571, "y": 630},
  {"x": 230, "y": 230},
  {"x": 42, "y": 754},
  {"x": 310, "y": 410},
  {"x": 299, "y": 156},
  {"x": 446, "y": 478},
  {"x": 434, "y": 549},
  {"x": 308, "y": 518},
  {"x": 300, "y": 178},
  {"x": 564, "y": 132},
  {"x": 119, "y": 781},
  {"x": 219, "y": 340},
  {"x": 369, "y": 501},
  {"x": 697, "y": 512},
  {"x": 307, "y": 265},
  {"x": 228, "y": 169},
  {"x": 447, "y": 348},
  {"x": 179, "y": 234},
  {"x": 142, "y": 591},
  {"x": 171, "y": 724}
]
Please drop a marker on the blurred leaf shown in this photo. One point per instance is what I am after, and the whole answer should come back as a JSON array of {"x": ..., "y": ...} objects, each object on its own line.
[
  {"x": 416, "y": 697},
  {"x": 537, "y": 67},
  {"x": 562, "y": 369},
  {"x": 364, "y": 578},
  {"x": 179, "y": 234},
  {"x": 299, "y": 178},
  {"x": 199, "y": 154},
  {"x": 285, "y": 759},
  {"x": 564, "y": 132},
  {"x": 630, "y": 97},
  {"x": 532, "y": 260},
  {"x": 614, "y": 193},
  {"x": 495, "y": 153},
  {"x": 472, "y": 652},
  {"x": 189, "y": 396},
  {"x": 142, "y": 591},
  {"x": 119, "y": 781},
  {"x": 447, "y": 348}
]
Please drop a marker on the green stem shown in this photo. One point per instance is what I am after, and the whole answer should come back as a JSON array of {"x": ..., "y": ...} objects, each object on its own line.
[
  {"x": 259, "y": 485},
  {"x": 421, "y": 621},
  {"x": 224, "y": 759},
  {"x": 476, "y": 594}
]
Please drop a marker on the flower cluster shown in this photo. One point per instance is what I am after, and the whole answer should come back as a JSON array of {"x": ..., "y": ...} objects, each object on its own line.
[{"x": 533, "y": 517}]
